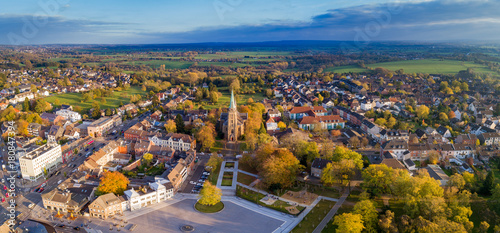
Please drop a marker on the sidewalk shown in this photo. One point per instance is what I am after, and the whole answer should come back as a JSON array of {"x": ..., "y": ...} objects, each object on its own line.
[{"x": 332, "y": 212}]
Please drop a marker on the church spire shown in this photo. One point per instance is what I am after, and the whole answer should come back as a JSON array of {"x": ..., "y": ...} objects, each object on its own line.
[{"x": 232, "y": 104}]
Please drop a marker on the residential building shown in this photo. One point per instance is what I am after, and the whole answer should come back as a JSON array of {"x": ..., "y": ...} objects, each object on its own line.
[
  {"x": 64, "y": 201},
  {"x": 106, "y": 206},
  {"x": 69, "y": 115},
  {"x": 297, "y": 113},
  {"x": 327, "y": 122},
  {"x": 148, "y": 195},
  {"x": 489, "y": 138},
  {"x": 42, "y": 159},
  {"x": 318, "y": 165},
  {"x": 99, "y": 127}
]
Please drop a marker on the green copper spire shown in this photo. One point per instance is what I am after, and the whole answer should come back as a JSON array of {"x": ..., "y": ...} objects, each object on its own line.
[{"x": 232, "y": 104}]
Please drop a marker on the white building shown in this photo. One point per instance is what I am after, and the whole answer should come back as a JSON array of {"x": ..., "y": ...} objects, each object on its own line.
[
  {"x": 69, "y": 115},
  {"x": 36, "y": 161},
  {"x": 155, "y": 193},
  {"x": 181, "y": 142}
]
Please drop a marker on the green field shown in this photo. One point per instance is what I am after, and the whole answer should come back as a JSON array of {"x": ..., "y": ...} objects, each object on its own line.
[
  {"x": 313, "y": 218},
  {"x": 426, "y": 66},
  {"x": 345, "y": 69},
  {"x": 431, "y": 66},
  {"x": 75, "y": 99}
]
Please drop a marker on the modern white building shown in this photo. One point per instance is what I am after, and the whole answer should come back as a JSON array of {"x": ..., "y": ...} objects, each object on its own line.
[
  {"x": 69, "y": 115},
  {"x": 181, "y": 142},
  {"x": 45, "y": 157},
  {"x": 155, "y": 193}
]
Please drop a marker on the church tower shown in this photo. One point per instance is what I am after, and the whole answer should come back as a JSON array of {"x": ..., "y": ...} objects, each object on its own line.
[{"x": 232, "y": 121}]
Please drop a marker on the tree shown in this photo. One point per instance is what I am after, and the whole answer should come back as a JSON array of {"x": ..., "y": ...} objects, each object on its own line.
[
  {"x": 381, "y": 121},
  {"x": 354, "y": 142},
  {"x": 457, "y": 181},
  {"x": 209, "y": 194},
  {"x": 341, "y": 153},
  {"x": 213, "y": 162},
  {"x": 113, "y": 182},
  {"x": 377, "y": 178},
  {"x": 96, "y": 112},
  {"x": 147, "y": 158},
  {"x": 277, "y": 165},
  {"x": 484, "y": 226},
  {"x": 179, "y": 123},
  {"x": 349, "y": 223},
  {"x": 386, "y": 222},
  {"x": 171, "y": 126},
  {"x": 391, "y": 122},
  {"x": 206, "y": 136},
  {"x": 108, "y": 112},
  {"x": 443, "y": 117},
  {"x": 235, "y": 85},
  {"x": 488, "y": 184},
  {"x": 368, "y": 213},
  {"x": 214, "y": 97},
  {"x": 281, "y": 125},
  {"x": 422, "y": 112},
  {"x": 26, "y": 105},
  {"x": 434, "y": 157}
]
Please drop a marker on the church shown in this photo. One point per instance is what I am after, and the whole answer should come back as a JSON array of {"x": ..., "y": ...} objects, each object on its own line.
[{"x": 232, "y": 122}]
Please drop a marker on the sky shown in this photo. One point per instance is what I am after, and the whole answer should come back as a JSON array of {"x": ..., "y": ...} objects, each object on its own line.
[{"x": 24, "y": 22}]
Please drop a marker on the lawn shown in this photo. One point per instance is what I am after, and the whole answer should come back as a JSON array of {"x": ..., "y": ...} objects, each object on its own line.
[
  {"x": 313, "y": 218},
  {"x": 431, "y": 66},
  {"x": 75, "y": 99},
  {"x": 227, "y": 179},
  {"x": 346, "y": 69},
  {"x": 255, "y": 198},
  {"x": 229, "y": 164},
  {"x": 330, "y": 228},
  {"x": 214, "y": 175},
  {"x": 209, "y": 209},
  {"x": 217, "y": 146},
  {"x": 242, "y": 165},
  {"x": 241, "y": 99},
  {"x": 245, "y": 179},
  {"x": 317, "y": 189}
]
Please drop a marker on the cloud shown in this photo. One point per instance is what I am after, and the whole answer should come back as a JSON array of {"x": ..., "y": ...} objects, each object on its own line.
[{"x": 418, "y": 20}]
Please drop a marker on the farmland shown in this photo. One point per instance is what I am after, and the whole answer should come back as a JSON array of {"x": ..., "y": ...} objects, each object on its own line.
[{"x": 426, "y": 66}]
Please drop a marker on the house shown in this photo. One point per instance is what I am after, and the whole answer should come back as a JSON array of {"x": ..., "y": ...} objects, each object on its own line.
[
  {"x": 388, "y": 135},
  {"x": 297, "y": 113},
  {"x": 155, "y": 192},
  {"x": 271, "y": 125},
  {"x": 437, "y": 173},
  {"x": 396, "y": 147},
  {"x": 50, "y": 118},
  {"x": 106, "y": 206},
  {"x": 317, "y": 166},
  {"x": 466, "y": 139},
  {"x": 327, "y": 122},
  {"x": 64, "y": 201},
  {"x": 445, "y": 132},
  {"x": 69, "y": 115},
  {"x": 489, "y": 138},
  {"x": 274, "y": 113}
]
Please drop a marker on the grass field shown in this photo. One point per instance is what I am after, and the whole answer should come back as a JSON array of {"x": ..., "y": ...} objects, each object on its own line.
[
  {"x": 245, "y": 179},
  {"x": 75, "y": 99},
  {"x": 345, "y": 69},
  {"x": 241, "y": 99},
  {"x": 426, "y": 66},
  {"x": 313, "y": 218},
  {"x": 209, "y": 209},
  {"x": 431, "y": 66}
]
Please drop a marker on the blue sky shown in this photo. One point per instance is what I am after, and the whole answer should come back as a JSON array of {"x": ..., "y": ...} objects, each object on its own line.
[{"x": 148, "y": 21}]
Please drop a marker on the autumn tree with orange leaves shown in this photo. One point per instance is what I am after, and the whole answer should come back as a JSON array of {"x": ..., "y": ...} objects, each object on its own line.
[{"x": 113, "y": 182}]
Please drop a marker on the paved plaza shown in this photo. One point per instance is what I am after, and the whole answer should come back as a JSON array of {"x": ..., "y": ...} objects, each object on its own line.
[{"x": 234, "y": 218}]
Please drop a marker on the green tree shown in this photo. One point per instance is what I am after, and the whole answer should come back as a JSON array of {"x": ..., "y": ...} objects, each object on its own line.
[
  {"x": 349, "y": 223},
  {"x": 488, "y": 184},
  {"x": 422, "y": 112},
  {"x": 179, "y": 123},
  {"x": 368, "y": 213},
  {"x": 209, "y": 194},
  {"x": 206, "y": 136},
  {"x": 148, "y": 158},
  {"x": 377, "y": 178},
  {"x": 26, "y": 105},
  {"x": 213, "y": 162}
]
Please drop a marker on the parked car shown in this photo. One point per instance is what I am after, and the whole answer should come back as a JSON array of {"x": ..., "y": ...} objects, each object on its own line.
[
  {"x": 76, "y": 228},
  {"x": 61, "y": 225},
  {"x": 41, "y": 190},
  {"x": 3, "y": 199}
]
